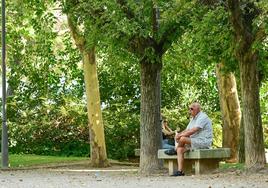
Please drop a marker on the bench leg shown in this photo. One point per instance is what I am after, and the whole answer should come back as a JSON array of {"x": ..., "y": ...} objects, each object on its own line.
[
  {"x": 206, "y": 165},
  {"x": 172, "y": 166},
  {"x": 188, "y": 166}
]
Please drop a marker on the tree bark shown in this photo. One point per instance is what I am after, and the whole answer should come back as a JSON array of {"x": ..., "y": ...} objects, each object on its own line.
[
  {"x": 97, "y": 139},
  {"x": 150, "y": 116},
  {"x": 230, "y": 108},
  {"x": 245, "y": 36},
  {"x": 241, "y": 148},
  {"x": 254, "y": 144}
]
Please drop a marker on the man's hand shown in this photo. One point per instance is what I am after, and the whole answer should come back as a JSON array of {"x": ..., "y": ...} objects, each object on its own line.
[
  {"x": 179, "y": 135},
  {"x": 186, "y": 133}
]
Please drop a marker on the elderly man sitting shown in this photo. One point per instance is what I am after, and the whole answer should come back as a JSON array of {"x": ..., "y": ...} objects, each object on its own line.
[{"x": 197, "y": 135}]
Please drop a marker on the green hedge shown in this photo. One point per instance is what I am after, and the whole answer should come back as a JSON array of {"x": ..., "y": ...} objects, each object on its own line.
[
  {"x": 67, "y": 133},
  {"x": 64, "y": 132}
]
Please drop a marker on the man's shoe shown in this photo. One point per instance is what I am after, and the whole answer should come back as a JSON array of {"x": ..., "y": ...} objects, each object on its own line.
[
  {"x": 170, "y": 152},
  {"x": 178, "y": 173}
]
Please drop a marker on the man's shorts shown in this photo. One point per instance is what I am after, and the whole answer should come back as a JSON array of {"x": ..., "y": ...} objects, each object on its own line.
[{"x": 198, "y": 143}]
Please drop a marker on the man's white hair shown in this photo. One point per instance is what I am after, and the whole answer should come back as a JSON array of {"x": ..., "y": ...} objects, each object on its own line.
[{"x": 197, "y": 105}]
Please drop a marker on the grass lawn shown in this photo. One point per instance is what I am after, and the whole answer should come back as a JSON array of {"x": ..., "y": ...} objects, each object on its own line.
[
  {"x": 27, "y": 160},
  {"x": 16, "y": 160},
  {"x": 238, "y": 166}
]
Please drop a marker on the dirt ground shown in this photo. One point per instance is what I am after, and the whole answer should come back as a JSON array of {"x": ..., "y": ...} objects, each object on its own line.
[{"x": 119, "y": 176}]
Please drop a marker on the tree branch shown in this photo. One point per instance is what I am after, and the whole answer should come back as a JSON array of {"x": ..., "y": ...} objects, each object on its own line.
[
  {"x": 79, "y": 40},
  {"x": 138, "y": 44},
  {"x": 260, "y": 34},
  {"x": 210, "y": 3},
  {"x": 124, "y": 7},
  {"x": 242, "y": 23},
  {"x": 170, "y": 34},
  {"x": 236, "y": 16}
]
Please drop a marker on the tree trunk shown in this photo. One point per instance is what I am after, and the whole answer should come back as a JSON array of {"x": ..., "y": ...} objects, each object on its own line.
[
  {"x": 97, "y": 139},
  {"x": 230, "y": 108},
  {"x": 150, "y": 116},
  {"x": 247, "y": 56},
  {"x": 241, "y": 148},
  {"x": 254, "y": 144}
]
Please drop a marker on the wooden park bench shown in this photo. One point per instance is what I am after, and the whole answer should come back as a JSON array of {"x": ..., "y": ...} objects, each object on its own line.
[{"x": 196, "y": 161}]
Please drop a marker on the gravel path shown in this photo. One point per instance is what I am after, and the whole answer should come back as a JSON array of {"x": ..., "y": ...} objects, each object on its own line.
[{"x": 125, "y": 177}]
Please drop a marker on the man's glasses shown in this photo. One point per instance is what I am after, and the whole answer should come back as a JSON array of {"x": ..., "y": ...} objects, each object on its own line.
[{"x": 191, "y": 108}]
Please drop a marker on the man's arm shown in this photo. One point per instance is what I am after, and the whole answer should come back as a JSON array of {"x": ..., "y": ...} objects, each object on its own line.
[{"x": 187, "y": 133}]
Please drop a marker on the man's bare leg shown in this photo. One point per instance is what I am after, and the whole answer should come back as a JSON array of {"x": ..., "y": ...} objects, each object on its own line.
[{"x": 181, "y": 150}]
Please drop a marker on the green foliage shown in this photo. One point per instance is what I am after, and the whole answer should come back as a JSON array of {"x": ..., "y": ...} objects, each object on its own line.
[
  {"x": 184, "y": 82},
  {"x": 189, "y": 66},
  {"x": 44, "y": 81},
  {"x": 176, "y": 119},
  {"x": 120, "y": 96},
  {"x": 58, "y": 131},
  {"x": 122, "y": 132},
  {"x": 217, "y": 129},
  {"x": 264, "y": 111},
  {"x": 119, "y": 81}
]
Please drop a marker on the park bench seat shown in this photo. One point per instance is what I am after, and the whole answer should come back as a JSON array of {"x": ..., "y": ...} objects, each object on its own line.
[{"x": 196, "y": 161}]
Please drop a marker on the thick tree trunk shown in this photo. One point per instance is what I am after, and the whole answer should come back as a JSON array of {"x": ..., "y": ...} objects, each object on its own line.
[
  {"x": 230, "y": 108},
  {"x": 245, "y": 36},
  {"x": 241, "y": 148},
  {"x": 254, "y": 144},
  {"x": 150, "y": 116},
  {"x": 97, "y": 139}
]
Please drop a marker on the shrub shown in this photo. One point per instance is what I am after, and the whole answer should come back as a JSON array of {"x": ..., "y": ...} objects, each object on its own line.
[
  {"x": 57, "y": 130},
  {"x": 122, "y": 133}
]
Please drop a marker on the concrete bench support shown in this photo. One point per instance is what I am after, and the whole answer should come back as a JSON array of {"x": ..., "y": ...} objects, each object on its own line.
[{"x": 196, "y": 161}]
